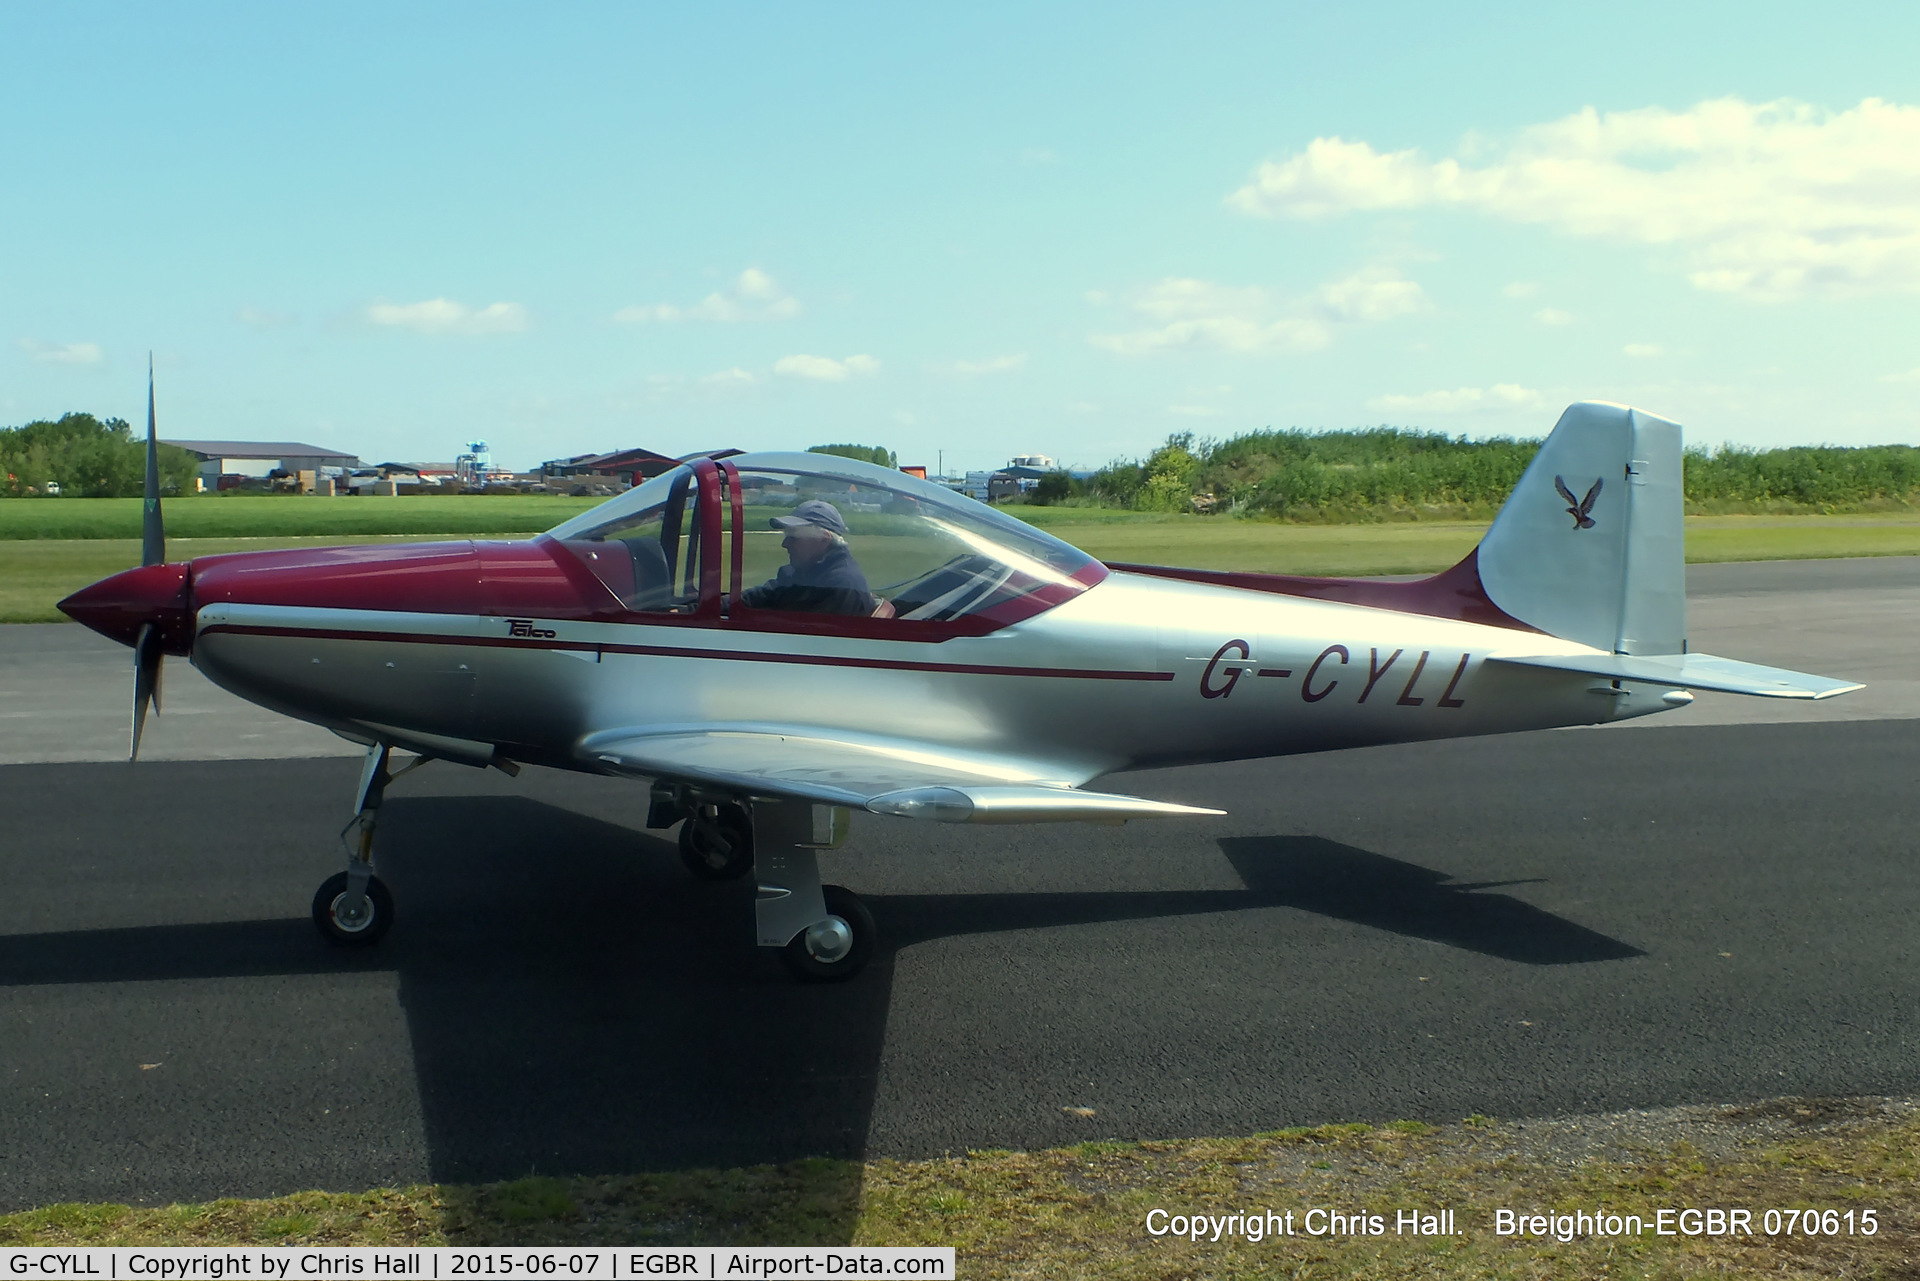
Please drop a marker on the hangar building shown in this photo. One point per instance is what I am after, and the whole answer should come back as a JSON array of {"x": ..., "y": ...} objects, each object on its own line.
[{"x": 259, "y": 457}]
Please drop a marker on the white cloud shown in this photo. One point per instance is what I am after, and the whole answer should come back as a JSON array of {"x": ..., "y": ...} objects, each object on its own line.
[
  {"x": 1038, "y": 156},
  {"x": 735, "y": 377},
  {"x": 753, "y": 296},
  {"x": 826, "y": 369},
  {"x": 441, "y": 316},
  {"x": 1459, "y": 400},
  {"x": 1227, "y": 333},
  {"x": 1182, "y": 297},
  {"x": 1372, "y": 295},
  {"x": 1644, "y": 350},
  {"x": 1520, "y": 289},
  {"x": 991, "y": 365},
  {"x": 1553, "y": 316},
  {"x": 1200, "y": 313},
  {"x": 72, "y": 353},
  {"x": 1910, "y": 376},
  {"x": 1770, "y": 201}
]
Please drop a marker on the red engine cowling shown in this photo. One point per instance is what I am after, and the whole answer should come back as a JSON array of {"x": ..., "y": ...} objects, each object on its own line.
[{"x": 535, "y": 578}]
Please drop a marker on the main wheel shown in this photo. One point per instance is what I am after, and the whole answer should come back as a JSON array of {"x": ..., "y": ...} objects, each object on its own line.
[
  {"x": 716, "y": 842},
  {"x": 362, "y": 931},
  {"x": 839, "y": 947}
]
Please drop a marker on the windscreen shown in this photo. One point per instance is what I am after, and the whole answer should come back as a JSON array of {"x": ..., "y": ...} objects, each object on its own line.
[{"x": 644, "y": 545}]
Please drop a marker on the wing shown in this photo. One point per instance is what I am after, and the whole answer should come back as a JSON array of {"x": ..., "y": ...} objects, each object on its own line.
[
  {"x": 1586, "y": 504},
  {"x": 1692, "y": 671},
  {"x": 1561, "y": 485},
  {"x": 883, "y": 776}
]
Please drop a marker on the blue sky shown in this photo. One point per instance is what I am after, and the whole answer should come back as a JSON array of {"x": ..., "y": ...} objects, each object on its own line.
[{"x": 966, "y": 232}]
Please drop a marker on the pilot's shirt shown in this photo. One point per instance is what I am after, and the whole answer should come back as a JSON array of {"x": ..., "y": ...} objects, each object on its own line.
[{"x": 831, "y": 585}]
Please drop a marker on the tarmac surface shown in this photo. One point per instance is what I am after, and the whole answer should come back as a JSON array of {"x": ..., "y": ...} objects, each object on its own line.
[{"x": 1537, "y": 924}]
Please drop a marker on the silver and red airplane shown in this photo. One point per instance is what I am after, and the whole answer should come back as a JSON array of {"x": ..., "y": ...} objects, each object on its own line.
[{"x": 986, "y": 672}]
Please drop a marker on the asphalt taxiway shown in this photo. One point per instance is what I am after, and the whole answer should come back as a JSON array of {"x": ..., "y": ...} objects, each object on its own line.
[{"x": 1565, "y": 921}]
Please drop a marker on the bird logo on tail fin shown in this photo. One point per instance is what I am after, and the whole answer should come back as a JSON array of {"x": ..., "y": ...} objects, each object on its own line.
[{"x": 1579, "y": 507}]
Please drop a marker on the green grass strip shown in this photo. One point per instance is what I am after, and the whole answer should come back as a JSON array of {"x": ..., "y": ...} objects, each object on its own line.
[
  {"x": 1082, "y": 1211},
  {"x": 290, "y": 515}
]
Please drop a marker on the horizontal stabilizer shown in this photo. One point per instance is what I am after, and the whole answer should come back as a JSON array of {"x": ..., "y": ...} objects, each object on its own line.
[
  {"x": 883, "y": 776},
  {"x": 1692, "y": 671}
]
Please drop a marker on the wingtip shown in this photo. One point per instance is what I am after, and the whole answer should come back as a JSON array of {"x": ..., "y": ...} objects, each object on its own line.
[{"x": 1835, "y": 693}]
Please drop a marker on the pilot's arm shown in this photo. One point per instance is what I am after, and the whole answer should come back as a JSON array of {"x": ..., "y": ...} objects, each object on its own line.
[{"x": 807, "y": 598}]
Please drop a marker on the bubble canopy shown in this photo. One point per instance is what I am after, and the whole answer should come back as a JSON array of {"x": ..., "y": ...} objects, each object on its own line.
[{"x": 814, "y": 535}]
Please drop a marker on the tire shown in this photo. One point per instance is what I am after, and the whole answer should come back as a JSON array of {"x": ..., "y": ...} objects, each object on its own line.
[
  {"x": 720, "y": 847},
  {"x": 845, "y": 905},
  {"x": 329, "y": 895}
]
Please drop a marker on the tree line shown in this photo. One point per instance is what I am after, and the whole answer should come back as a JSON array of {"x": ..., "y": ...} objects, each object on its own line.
[
  {"x": 1399, "y": 473},
  {"x": 81, "y": 456},
  {"x": 879, "y": 455}
]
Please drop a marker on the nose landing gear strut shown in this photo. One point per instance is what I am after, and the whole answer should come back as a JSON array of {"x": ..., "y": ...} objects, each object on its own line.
[{"x": 353, "y": 908}]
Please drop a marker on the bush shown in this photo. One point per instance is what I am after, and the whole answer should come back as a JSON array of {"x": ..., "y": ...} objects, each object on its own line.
[
  {"x": 1054, "y": 487},
  {"x": 1386, "y": 473},
  {"x": 1806, "y": 476},
  {"x": 1308, "y": 475},
  {"x": 87, "y": 458}
]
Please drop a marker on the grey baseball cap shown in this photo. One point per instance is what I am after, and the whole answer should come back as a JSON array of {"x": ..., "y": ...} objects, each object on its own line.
[{"x": 814, "y": 512}]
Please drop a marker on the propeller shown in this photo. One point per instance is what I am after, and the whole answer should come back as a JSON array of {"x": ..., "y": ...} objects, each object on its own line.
[{"x": 147, "y": 654}]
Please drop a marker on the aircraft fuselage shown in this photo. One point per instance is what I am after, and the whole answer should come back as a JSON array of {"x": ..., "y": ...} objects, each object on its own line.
[{"x": 1134, "y": 672}]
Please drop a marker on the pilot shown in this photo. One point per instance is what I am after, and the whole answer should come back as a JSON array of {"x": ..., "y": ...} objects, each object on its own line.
[{"x": 820, "y": 575}]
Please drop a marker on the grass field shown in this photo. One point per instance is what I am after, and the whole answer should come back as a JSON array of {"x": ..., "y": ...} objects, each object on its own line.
[
  {"x": 289, "y": 516},
  {"x": 1081, "y": 1211}
]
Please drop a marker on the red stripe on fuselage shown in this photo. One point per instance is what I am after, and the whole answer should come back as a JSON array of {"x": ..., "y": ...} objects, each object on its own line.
[{"x": 677, "y": 651}]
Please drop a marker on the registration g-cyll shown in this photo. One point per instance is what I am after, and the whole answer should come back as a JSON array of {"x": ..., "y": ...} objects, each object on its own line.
[{"x": 951, "y": 665}]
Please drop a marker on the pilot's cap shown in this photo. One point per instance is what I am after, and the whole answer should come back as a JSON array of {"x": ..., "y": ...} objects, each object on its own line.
[{"x": 815, "y": 513}]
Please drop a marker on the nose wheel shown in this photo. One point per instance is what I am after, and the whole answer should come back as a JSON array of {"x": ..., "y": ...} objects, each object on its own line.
[{"x": 352, "y": 921}]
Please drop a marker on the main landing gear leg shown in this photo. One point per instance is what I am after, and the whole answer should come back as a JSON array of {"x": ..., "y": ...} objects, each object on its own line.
[
  {"x": 824, "y": 932},
  {"x": 353, "y": 908}
]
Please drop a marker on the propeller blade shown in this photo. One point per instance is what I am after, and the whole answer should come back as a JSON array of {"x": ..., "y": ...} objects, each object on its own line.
[
  {"x": 147, "y": 657},
  {"x": 153, "y": 535}
]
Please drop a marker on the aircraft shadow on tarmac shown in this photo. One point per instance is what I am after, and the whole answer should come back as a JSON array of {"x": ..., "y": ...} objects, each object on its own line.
[
  {"x": 578, "y": 1005},
  {"x": 1317, "y": 875}
]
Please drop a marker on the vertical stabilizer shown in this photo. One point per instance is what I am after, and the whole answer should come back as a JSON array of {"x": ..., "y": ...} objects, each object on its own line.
[{"x": 1590, "y": 546}]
